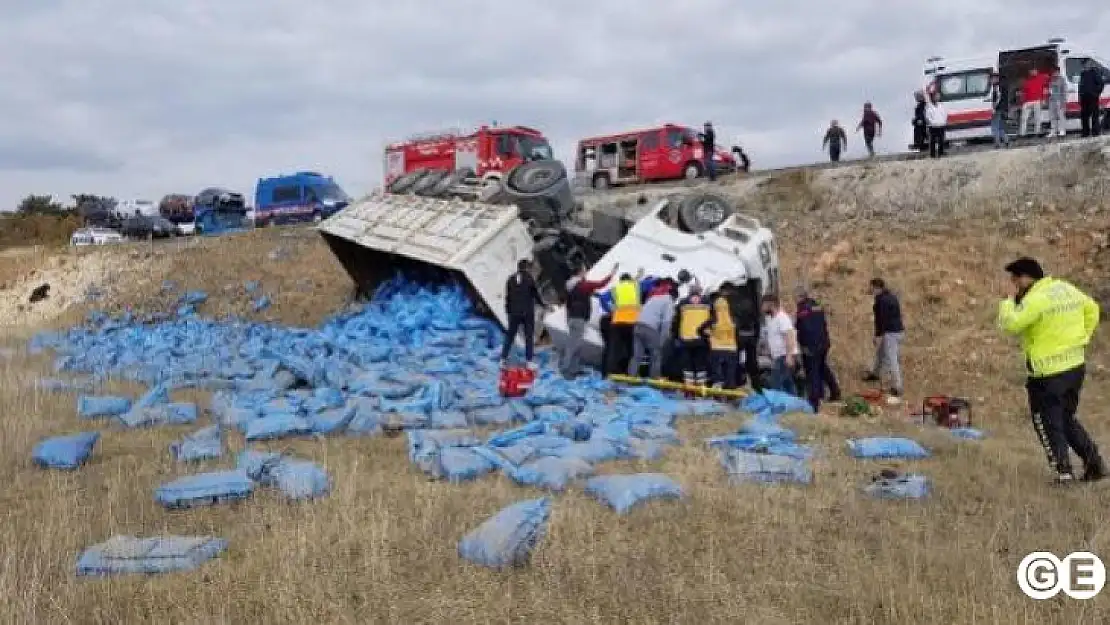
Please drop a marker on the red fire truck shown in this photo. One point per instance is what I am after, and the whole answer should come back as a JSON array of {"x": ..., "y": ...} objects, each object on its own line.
[
  {"x": 667, "y": 152},
  {"x": 487, "y": 152}
]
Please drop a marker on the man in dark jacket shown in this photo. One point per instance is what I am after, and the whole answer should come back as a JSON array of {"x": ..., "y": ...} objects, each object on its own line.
[
  {"x": 872, "y": 126},
  {"x": 920, "y": 124},
  {"x": 521, "y": 298},
  {"x": 1000, "y": 107},
  {"x": 813, "y": 338},
  {"x": 889, "y": 332},
  {"x": 1091, "y": 85},
  {"x": 835, "y": 141},
  {"x": 708, "y": 149},
  {"x": 687, "y": 327},
  {"x": 580, "y": 292},
  {"x": 747, "y": 316}
]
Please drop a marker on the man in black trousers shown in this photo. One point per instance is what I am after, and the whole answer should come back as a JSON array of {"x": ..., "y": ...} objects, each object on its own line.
[
  {"x": 521, "y": 298},
  {"x": 813, "y": 338}
]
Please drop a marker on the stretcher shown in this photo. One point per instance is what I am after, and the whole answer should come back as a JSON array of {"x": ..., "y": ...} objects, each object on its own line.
[{"x": 668, "y": 385}]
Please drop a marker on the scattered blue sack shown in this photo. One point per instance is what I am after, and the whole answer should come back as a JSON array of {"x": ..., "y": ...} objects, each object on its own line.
[
  {"x": 54, "y": 385},
  {"x": 645, "y": 449},
  {"x": 364, "y": 424},
  {"x": 970, "y": 434},
  {"x": 194, "y": 298},
  {"x": 332, "y": 420},
  {"x": 882, "y": 447},
  {"x": 660, "y": 433},
  {"x": 165, "y": 554},
  {"x": 422, "y": 441},
  {"x": 506, "y": 458},
  {"x": 744, "y": 466},
  {"x": 576, "y": 430},
  {"x": 492, "y": 415},
  {"x": 65, "y": 452},
  {"x": 448, "y": 419},
  {"x": 457, "y": 464},
  {"x": 325, "y": 398},
  {"x": 204, "y": 444},
  {"x": 592, "y": 451},
  {"x": 507, "y": 538},
  {"x": 277, "y": 426},
  {"x": 706, "y": 408},
  {"x": 552, "y": 414},
  {"x": 908, "y": 486},
  {"x": 255, "y": 464},
  {"x": 204, "y": 489},
  {"x": 159, "y": 414},
  {"x": 551, "y": 473},
  {"x": 623, "y": 492},
  {"x": 761, "y": 444},
  {"x": 157, "y": 394},
  {"x": 297, "y": 479},
  {"x": 94, "y": 407},
  {"x": 261, "y": 303},
  {"x": 766, "y": 427},
  {"x": 515, "y": 435}
]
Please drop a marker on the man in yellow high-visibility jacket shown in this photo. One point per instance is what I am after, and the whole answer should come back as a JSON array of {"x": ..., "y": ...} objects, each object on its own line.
[
  {"x": 689, "y": 328},
  {"x": 1054, "y": 321},
  {"x": 724, "y": 355},
  {"x": 626, "y": 310}
]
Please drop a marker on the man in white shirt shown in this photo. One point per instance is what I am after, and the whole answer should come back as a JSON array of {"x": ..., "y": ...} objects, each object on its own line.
[
  {"x": 782, "y": 344},
  {"x": 937, "y": 118}
]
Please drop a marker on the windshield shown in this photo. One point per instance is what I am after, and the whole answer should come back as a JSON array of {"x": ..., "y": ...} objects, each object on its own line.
[
  {"x": 535, "y": 147},
  {"x": 331, "y": 191}
]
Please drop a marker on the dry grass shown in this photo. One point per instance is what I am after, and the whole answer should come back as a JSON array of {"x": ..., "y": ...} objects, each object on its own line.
[
  {"x": 381, "y": 548},
  {"x": 22, "y": 230}
]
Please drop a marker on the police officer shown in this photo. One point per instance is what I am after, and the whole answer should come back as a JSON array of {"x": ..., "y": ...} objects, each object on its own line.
[
  {"x": 693, "y": 312},
  {"x": 1054, "y": 321},
  {"x": 626, "y": 310},
  {"x": 723, "y": 341},
  {"x": 813, "y": 339}
]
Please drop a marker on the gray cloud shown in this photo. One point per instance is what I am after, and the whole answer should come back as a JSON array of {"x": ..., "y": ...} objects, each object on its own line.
[{"x": 163, "y": 97}]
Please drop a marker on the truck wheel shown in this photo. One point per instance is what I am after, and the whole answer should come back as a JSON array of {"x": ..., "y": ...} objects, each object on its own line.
[
  {"x": 700, "y": 212},
  {"x": 535, "y": 176},
  {"x": 601, "y": 182},
  {"x": 406, "y": 182},
  {"x": 692, "y": 171},
  {"x": 428, "y": 182}
]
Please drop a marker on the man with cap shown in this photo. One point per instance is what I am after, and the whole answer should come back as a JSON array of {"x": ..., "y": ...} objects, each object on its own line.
[
  {"x": 813, "y": 339},
  {"x": 627, "y": 300},
  {"x": 1054, "y": 321},
  {"x": 688, "y": 328}
]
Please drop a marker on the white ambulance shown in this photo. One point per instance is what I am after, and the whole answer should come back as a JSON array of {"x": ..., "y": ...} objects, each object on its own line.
[{"x": 964, "y": 87}]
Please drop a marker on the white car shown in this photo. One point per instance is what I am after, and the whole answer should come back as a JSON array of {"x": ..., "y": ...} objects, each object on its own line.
[{"x": 95, "y": 236}]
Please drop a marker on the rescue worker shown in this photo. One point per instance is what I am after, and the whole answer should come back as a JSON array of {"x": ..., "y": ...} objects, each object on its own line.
[
  {"x": 709, "y": 149},
  {"x": 920, "y": 124},
  {"x": 653, "y": 330},
  {"x": 521, "y": 298},
  {"x": 579, "y": 308},
  {"x": 782, "y": 344},
  {"x": 872, "y": 126},
  {"x": 693, "y": 312},
  {"x": 835, "y": 140},
  {"x": 626, "y": 310},
  {"x": 724, "y": 357},
  {"x": 1054, "y": 321},
  {"x": 1091, "y": 85},
  {"x": 889, "y": 332},
  {"x": 813, "y": 339}
]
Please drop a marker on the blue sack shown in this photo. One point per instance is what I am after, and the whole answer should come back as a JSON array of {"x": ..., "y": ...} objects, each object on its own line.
[
  {"x": 624, "y": 492},
  {"x": 458, "y": 464},
  {"x": 297, "y": 479},
  {"x": 448, "y": 419},
  {"x": 364, "y": 424},
  {"x": 492, "y": 415},
  {"x": 277, "y": 426},
  {"x": 970, "y": 434},
  {"x": 551, "y": 473},
  {"x": 908, "y": 486},
  {"x": 204, "y": 489},
  {"x": 515, "y": 435},
  {"x": 883, "y": 447},
  {"x": 761, "y": 444},
  {"x": 331, "y": 420},
  {"x": 204, "y": 444},
  {"x": 552, "y": 414},
  {"x": 765, "y": 427},
  {"x": 506, "y": 458},
  {"x": 256, "y": 464},
  {"x": 647, "y": 450},
  {"x": 165, "y": 554},
  {"x": 94, "y": 407},
  {"x": 159, "y": 414},
  {"x": 661, "y": 433},
  {"x": 785, "y": 403},
  {"x": 65, "y": 452},
  {"x": 507, "y": 538},
  {"x": 592, "y": 451},
  {"x": 744, "y": 466}
]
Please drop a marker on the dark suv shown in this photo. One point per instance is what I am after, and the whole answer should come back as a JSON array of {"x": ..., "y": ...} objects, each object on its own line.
[{"x": 144, "y": 226}]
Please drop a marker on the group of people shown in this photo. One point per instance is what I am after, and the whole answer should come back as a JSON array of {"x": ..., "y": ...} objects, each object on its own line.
[{"x": 836, "y": 140}]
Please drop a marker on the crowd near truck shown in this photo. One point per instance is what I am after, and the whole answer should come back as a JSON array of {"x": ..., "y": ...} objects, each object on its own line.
[
  {"x": 292, "y": 198},
  {"x": 964, "y": 87},
  {"x": 487, "y": 153},
  {"x": 666, "y": 152}
]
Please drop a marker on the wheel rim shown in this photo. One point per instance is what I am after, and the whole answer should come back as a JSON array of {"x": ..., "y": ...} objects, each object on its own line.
[
  {"x": 710, "y": 212},
  {"x": 691, "y": 172}
]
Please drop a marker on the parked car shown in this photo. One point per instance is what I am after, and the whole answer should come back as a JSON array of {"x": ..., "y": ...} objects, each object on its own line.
[
  {"x": 144, "y": 226},
  {"x": 95, "y": 236}
]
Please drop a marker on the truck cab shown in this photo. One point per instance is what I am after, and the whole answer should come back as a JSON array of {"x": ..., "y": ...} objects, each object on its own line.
[
  {"x": 299, "y": 197},
  {"x": 667, "y": 152}
]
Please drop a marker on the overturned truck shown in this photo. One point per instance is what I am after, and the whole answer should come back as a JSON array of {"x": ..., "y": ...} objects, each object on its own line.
[{"x": 443, "y": 225}]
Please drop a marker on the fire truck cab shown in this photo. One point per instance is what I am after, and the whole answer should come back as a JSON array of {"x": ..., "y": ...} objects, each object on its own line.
[
  {"x": 964, "y": 87},
  {"x": 667, "y": 152},
  {"x": 489, "y": 152}
]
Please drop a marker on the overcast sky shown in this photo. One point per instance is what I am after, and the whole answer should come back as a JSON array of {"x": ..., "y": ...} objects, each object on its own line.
[{"x": 138, "y": 98}]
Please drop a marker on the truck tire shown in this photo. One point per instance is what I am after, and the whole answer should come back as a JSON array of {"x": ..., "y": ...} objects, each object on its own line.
[
  {"x": 444, "y": 185},
  {"x": 535, "y": 177},
  {"x": 541, "y": 190},
  {"x": 692, "y": 170},
  {"x": 701, "y": 211},
  {"x": 407, "y": 181},
  {"x": 425, "y": 185}
]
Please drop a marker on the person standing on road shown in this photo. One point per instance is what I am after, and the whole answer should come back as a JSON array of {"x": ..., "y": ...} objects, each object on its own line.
[
  {"x": 693, "y": 312},
  {"x": 1000, "y": 104},
  {"x": 814, "y": 341},
  {"x": 782, "y": 344},
  {"x": 521, "y": 298},
  {"x": 1032, "y": 96},
  {"x": 889, "y": 332},
  {"x": 920, "y": 124},
  {"x": 709, "y": 149},
  {"x": 1055, "y": 321},
  {"x": 937, "y": 118},
  {"x": 1091, "y": 85},
  {"x": 652, "y": 330},
  {"x": 872, "y": 126},
  {"x": 835, "y": 141},
  {"x": 1057, "y": 103},
  {"x": 723, "y": 341},
  {"x": 580, "y": 292}
]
